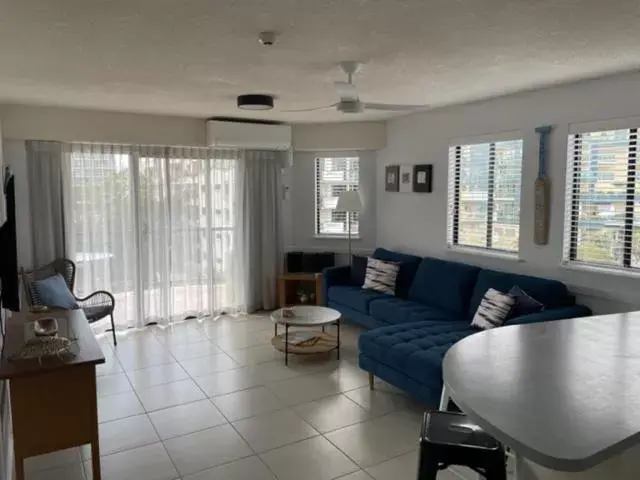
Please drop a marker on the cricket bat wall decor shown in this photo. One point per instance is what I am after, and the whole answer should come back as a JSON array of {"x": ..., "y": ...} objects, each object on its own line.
[{"x": 541, "y": 191}]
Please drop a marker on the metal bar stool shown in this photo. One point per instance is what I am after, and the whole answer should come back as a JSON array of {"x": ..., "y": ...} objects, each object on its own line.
[{"x": 450, "y": 438}]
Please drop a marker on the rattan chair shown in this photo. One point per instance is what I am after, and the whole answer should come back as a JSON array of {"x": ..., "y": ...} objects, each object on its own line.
[{"x": 96, "y": 306}]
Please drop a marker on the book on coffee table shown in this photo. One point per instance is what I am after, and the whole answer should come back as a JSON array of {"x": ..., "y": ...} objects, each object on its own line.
[{"x": 298, "y": 338}]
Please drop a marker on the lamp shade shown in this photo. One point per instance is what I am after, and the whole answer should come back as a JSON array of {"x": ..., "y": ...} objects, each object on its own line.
[{"x": 349, "y": 201}]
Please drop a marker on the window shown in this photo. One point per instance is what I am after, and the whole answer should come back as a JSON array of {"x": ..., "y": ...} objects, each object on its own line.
[
  {"x": 602, "y": 221},
  {"x": 484, "y": 195},
  {"x": 335, "y": 175}
]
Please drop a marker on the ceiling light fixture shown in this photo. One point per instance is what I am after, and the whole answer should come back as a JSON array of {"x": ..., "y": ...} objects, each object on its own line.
[{"x": 255, "y": 101}]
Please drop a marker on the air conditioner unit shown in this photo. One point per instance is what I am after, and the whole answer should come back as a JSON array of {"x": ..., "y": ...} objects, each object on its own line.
[{"x": 248, "y": 135}]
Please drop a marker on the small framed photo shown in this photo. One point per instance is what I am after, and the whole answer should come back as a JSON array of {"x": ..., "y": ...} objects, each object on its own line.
[
  {"x": 391, "y": 178},
  {"x": 422, "y": 178},
  {"x": 406, "y": 178}
]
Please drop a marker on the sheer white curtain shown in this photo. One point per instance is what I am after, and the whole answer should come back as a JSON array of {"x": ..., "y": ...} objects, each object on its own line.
[
  {"x": 155, "y": 226},
  {"x": 45, "y": 169},
  {"x": 259, "y": 241},
  {"x": 102, "y": 237}
]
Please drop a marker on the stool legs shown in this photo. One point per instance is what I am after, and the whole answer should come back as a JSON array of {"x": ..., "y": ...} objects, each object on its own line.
[
  {"x": 444, "y": 399},
  {"x": 371, "y": 378},
  {"x": 427, "y": 465}
]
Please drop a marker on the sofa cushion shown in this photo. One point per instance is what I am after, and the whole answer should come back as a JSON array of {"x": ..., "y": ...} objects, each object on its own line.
[
  {"x": 358, "y": 270},
  {"x": 408, "y": 266},
  {"x": 444, "y": 284},
  {"x": 550, "y": 293},
  {"x": 381, "y": 276},
  {"x": 354, "y": 297},
  {"x": 54, "y": 292},
  {"x": 396, "y": 310},
  {"x": 415, "y": 349}
]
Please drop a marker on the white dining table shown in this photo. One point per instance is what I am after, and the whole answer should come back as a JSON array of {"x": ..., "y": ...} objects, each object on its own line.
[{"x": 563, "y": 395}]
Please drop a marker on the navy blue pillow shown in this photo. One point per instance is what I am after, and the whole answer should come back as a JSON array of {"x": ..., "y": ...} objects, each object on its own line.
[
  {"x": 525, "y": 303},
  {"x": 358, "y": 270},
  {"x": 53, "y": 292}
]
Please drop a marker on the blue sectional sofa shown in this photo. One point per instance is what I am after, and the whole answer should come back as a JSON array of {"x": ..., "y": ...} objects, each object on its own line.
[{"x": 434, "y": 303}]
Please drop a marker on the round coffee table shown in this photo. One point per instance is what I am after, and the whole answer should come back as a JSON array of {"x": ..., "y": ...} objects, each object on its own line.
[{"x": 307, "y": 316}]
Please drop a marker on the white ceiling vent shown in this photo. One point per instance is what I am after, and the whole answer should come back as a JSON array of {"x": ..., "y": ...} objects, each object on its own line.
[{"x": 248, "y": 135}]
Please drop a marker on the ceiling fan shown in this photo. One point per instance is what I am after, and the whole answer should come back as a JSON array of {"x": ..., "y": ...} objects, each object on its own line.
[{"x": 350, "y": 101}]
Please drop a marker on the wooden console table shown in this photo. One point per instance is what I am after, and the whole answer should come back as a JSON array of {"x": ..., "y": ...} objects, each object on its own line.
[
  {"x": 289, "y": 282},
  {"x": 53, "y": 402}
]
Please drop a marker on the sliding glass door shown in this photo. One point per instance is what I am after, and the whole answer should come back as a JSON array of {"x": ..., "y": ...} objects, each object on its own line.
[{"x": 154, "y": 225}]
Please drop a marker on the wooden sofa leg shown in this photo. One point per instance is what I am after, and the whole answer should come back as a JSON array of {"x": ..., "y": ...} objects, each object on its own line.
[{"x": 371, "y": 377}]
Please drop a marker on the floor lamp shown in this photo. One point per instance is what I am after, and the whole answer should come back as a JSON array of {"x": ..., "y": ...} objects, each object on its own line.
[{"x": 349, "y": 202}]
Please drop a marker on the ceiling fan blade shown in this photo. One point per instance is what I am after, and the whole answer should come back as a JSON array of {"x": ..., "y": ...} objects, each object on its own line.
[
  {"x": 314, "y": 109},
  {"x": 396, "y": 108},
  {"x": 346, "y": 90}
]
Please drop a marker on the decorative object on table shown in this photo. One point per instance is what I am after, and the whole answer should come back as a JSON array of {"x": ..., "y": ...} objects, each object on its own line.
[
  {"x": 541, "y": 191},
  {"x": 289, "y": 284},
  {"x": 391, "y": 178},
  {"x": 406, "y": 179},
  {"x": 349, "y": 202},
  {"x": 45, "y": 327},
  {"x": 302, "y": 296},
  {"x": 306, "y": 343},
  {"x": 303, "y": 338},
  {"x": 38, "y": 309},
  {"x": 40, "y": 348},
  {"x": 381, "y": 276},
  {"x": 288, "y": 313},
  {"x": 422, "y": 178},
  {"x": 494, "y": 309},
  {"x": 96, "y": 306}
]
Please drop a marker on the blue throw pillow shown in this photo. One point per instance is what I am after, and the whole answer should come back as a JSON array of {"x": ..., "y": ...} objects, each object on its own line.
[
  {"x": 525, "y": 303},
  {"x": 53, "y": 292},
  {"x": 358, "y": 270}
]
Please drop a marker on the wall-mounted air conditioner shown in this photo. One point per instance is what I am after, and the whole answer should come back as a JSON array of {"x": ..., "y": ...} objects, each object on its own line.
[{"x": 248, "y": 135}]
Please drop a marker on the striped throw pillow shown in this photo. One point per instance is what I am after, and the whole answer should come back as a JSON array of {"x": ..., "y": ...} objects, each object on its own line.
[
  {"x": 494, "y": 309},
  {"x": 381, "y": 276}
]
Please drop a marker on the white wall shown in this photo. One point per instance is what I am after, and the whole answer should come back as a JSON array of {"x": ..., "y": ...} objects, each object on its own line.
[
  {"x": 336, "y": 139},
  {"x": 299, "y": 222},
  {"x": 75, "y": 125},
  {"x": 417, "y": 222},
  {"x": 339, "y": 136}
]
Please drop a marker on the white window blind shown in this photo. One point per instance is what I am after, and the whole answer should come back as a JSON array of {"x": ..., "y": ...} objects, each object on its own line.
[
  {"x": 602, "y": 220},
  {"x": 335, "y": 175},
  {"x": 484, "y": 195}
]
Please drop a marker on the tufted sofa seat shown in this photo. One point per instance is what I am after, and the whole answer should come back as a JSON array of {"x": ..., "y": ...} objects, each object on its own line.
[{"x": 411, "y": 354}]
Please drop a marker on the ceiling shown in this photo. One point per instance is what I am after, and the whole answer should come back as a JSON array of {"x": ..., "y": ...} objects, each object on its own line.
[{"x": 193, "y": 57}]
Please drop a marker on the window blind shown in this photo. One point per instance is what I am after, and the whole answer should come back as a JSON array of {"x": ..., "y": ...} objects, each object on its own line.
[
  {"x": 335, "y": 175},
  {"x": 484, "y": 195},
  {"x": 602, "y": 220}
]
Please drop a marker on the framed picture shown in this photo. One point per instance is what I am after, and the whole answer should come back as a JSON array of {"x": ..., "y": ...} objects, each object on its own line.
[
  {"x": 391, "y": 178},
  {"x": 422, "y": 178},
  {"x": 406, "y": 178}
]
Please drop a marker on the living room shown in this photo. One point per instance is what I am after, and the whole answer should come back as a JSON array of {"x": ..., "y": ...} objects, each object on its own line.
[{"x": 192, "y": 387}]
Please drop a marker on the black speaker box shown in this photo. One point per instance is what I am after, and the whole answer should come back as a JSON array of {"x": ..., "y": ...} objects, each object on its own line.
[{"x": 301, "y": 262}]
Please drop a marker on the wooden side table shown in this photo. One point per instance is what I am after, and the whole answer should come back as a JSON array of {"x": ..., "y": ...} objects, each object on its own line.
[
  {"x": 54, "y": 403},
  {"x": 288, "y": 283}
]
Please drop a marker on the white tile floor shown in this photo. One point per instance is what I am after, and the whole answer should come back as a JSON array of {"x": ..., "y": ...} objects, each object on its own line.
[{"x": 212, "y": 400}]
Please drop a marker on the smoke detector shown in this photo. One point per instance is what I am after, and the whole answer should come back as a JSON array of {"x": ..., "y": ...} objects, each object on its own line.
[{"x": 267, "y": 38}]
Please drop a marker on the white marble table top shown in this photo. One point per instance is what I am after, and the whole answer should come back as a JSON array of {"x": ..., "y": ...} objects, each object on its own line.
[
  {"x": 307, "y": 316},
  {"x": 565, "y": 394}
]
